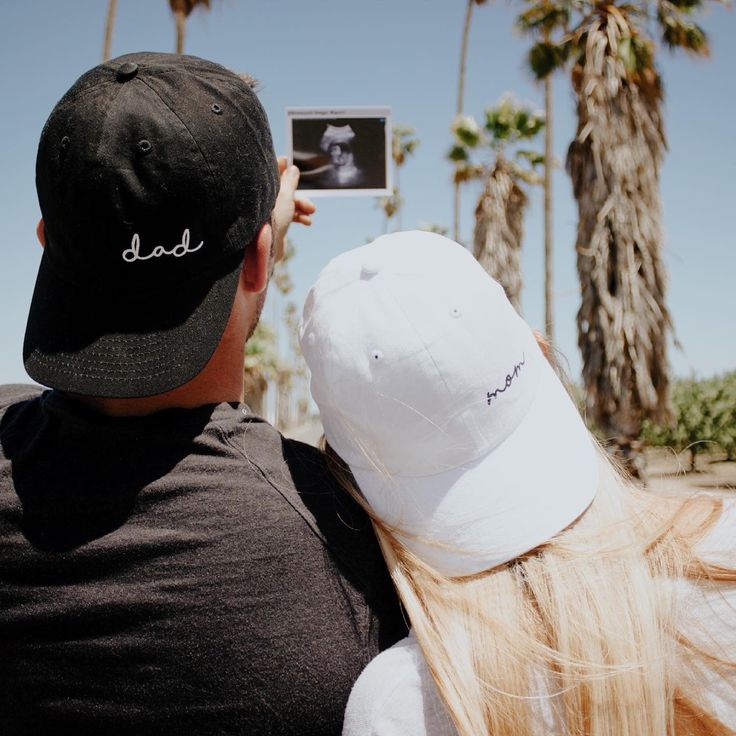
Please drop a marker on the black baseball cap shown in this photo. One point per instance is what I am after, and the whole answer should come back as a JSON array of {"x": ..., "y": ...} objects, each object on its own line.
[{"x": 154, "y": 173}]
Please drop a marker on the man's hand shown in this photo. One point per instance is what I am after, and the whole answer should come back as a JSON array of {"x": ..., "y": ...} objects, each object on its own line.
[{"x": 289, "y": 208}]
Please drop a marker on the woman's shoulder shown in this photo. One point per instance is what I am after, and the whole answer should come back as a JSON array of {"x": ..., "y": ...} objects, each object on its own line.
[{"x": 395, "y": 695}]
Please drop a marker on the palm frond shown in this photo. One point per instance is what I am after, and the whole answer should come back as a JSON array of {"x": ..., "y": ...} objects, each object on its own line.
[
  {"x": 187, "y": 6},
  {"x": 544, "y": 17},
  {"x": 678, "y": 31}
]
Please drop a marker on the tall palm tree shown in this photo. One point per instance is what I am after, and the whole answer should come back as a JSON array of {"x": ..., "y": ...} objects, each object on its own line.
[
  {"x": 182, "y": 10},
  {"x": 112, "y": 6},
  {"x": 614, "y": 162},
  {"x": 461, "y": 103},
  {"x": 499, "y": 229},
  {"x": 543, "y": 18},
  {"x": 499, "y": 214}
]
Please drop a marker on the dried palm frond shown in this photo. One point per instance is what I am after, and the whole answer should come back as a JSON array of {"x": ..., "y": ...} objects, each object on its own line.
[
  {"x": 614, "y": 162},
  {"x": 499, "y": 230},
  {"x": 181, "y": 10},
  {"x": 187, "y": 6}
]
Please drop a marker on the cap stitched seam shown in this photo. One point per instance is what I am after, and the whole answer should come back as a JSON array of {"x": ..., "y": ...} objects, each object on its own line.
[
  {"x": 199, "y": 148},
  {"x": 84, "y": 92},
  {"x": 424, "y": 345},
  {"x": 256, "y": 137},
  {"x": 71, "y": 363},
  {"x": 108, "y": 375},
  {"x": 153, "y": 351}
]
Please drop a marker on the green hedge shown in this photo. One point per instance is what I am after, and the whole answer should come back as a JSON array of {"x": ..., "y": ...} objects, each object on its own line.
[{"x": 705, "y": 417}]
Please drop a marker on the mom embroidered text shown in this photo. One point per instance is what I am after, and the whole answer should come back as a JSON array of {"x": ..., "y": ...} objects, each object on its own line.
[{"x": 509, "y": 380}]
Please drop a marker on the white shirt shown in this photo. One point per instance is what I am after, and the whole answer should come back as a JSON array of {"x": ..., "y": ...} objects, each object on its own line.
[{"x": 396, "y": 696}]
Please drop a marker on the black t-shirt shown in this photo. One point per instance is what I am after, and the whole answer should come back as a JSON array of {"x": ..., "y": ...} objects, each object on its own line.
[{"x": 190, "y": 572}]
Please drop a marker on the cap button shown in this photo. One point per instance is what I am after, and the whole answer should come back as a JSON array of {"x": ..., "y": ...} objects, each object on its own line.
[
  {"x": 127, "y": 71},
  {"x": 369, "y": 270}
]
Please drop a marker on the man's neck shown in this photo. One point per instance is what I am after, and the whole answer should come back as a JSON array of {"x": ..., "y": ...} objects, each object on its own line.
[
  {"x": 145, "y": 405},
  {"x": 221, "y": 380}
]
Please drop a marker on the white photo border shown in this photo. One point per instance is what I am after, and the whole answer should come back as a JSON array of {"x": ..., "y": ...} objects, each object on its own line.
[{"x": 331, "y": 113}]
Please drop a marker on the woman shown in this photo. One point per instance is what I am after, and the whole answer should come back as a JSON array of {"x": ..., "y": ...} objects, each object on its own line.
[{"x": 546, "y": 595}]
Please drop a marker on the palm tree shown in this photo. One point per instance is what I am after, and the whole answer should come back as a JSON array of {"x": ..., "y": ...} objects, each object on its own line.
[
  {"x": 614, "y": 162},
  {"x": 403, "y": 145},
  {"x": 498, "y": 231},
  {"x": 182, "y": 9},
  {"x": 461, "y": 104},
  {"x": 543, "y": 18},
  {"x": 112, "y": 6}
]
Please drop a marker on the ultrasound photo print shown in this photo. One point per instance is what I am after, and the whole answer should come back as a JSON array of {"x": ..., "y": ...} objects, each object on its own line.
[{"x": 343, "y": 151}]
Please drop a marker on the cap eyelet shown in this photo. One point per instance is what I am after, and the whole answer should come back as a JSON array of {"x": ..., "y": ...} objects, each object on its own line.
[
  {"x": 376, "y": 355},
  {"x": 216, "y": 109},
  {"x": 144, "y": 146},
  {"x": 455, "y": 312},
  {"x": 65, "y": 141}
]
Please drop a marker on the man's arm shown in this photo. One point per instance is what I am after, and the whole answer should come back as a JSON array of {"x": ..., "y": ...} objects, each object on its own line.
[{"x": 289, "y": 208}]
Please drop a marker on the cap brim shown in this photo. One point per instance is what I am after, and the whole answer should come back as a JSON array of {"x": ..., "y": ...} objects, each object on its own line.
[
  {"x": 97, "y": 342},
  {"x": 518, "y": 496}
]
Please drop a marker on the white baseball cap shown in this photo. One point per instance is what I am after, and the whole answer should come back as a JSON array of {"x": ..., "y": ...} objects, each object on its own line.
[{"x": 435, "y": 393}]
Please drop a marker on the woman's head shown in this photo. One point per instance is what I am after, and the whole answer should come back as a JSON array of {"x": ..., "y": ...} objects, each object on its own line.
[
  {"x": 469, "y": 453},
  {"x": 435, "y": 393}
]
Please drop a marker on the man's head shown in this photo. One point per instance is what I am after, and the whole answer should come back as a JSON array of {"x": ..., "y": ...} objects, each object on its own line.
[{"x": 154, "y": 173}]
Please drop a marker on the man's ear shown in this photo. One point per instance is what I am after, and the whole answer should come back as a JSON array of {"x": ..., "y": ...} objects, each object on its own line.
[
  {"x": 257, "y": 261},
  {"x": 41, "y": 233}
]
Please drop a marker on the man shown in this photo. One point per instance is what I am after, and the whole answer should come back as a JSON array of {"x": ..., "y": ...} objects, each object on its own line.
[{"x": 169, "y": 563}]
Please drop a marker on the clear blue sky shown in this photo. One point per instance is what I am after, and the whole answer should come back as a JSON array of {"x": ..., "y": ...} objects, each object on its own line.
[{"x": 402, "y": 53}]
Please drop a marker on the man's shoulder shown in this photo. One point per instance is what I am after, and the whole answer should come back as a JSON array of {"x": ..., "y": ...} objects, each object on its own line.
[
  {"x": 14, "y": 393},
  {"x": 15, "y": 396},
  {"x": 300, "y": 473}
]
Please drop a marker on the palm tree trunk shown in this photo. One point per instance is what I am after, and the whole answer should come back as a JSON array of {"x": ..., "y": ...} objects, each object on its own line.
[
  {"x": 460, "y": 105},
  {"x": 548, "y": 164},
  {"x": 109, "y": 25},
  {"x": 499, "y": 230},
  {"x": 614, "y": 162},
  {"x": 181, "y": 26}
]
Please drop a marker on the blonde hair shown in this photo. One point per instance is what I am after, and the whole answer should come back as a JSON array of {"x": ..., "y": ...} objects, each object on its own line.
[{"x": 581, "y": 636}]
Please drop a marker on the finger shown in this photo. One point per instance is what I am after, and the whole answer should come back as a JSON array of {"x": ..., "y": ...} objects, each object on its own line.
[
  {"x": 283, "y": 163},
  {"x": 305, "y": 205},
  {"x": 303, "y": 219}
]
